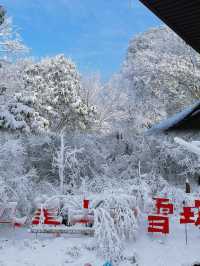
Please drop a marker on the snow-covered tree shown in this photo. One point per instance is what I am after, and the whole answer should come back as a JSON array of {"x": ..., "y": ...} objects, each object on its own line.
[
  {"x": 109, "y": 99},
  {"x": 46, "y": 97},
  {"x": 15, "y": 179},
  {"x": 193, "y": 146},
  {"x": 55, "y": 84},
  {"x": 162, "y": 75},
  {"x": 66, "y": 161},
  {"x": 10, "y": 40},
  {"x": 19, "y": 113},
  {"x": 10, "y": 79},
  {"x": 91, "y": 89}
]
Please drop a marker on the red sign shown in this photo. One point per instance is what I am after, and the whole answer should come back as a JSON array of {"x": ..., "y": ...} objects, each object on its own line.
[
  {"x": 187, "y": 216},
  {"x": 163, "y": 206},
  {"x": 159, "y": 222}
]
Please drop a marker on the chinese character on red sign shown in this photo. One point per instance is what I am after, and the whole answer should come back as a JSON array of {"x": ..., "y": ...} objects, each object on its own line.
[
  {"x": 187, "y": 216},
  {"x": 159, "y": 224},
  {"x": 163, "y": 206}
]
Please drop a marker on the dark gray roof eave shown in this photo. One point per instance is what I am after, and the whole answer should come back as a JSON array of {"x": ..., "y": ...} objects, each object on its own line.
[{"x": 171, "y": 122}]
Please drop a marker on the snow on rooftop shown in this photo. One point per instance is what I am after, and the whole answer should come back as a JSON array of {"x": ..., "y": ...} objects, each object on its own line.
[{"x": 174, "y": 120}]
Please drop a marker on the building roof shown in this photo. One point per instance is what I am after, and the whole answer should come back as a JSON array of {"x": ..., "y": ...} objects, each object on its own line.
[
  {"x": 182, "y": 16},
  {"x": 186, "y": 120}
]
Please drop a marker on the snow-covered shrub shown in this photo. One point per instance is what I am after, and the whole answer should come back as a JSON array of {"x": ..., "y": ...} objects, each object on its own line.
[
  {"x": 16, "y": 181},
  {"x": 142, "y": 192},
  {"x": 26, "y": 189},
  {"x": 125, "y": 221},
  {"x": 155, "y": 182},
  {"x": 116, "y": 220},
  {"x": 12, "y": 156},
  {"x": 107, "y": 238},
  {"x": 19, "y": 180}
]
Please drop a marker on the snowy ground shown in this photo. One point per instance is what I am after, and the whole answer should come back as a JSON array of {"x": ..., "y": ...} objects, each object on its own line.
[
  {"x": 20, "y": 248},
  {"x": 156, "y": 250}
]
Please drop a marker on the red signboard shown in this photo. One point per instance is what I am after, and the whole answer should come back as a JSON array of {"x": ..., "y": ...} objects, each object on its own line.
[{"x": 159, "y": 222}]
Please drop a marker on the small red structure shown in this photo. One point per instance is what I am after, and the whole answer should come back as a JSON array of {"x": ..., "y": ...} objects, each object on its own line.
[
  {"x": 46, "y": 216},
  {"x": 64, "y": 224},
  {"x": 18, "y": 222},
  {"x": 82, "y": 216},
  {"x": 86, "y": 204}
]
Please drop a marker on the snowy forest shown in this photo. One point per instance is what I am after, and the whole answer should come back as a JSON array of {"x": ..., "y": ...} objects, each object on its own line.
[{"x": 65, "y": 133}]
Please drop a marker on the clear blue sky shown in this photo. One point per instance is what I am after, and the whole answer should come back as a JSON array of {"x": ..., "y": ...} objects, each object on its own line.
[{"x": 94, "y": 33}]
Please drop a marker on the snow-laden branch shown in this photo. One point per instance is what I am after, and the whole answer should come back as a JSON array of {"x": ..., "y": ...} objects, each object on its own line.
[
  {"x": 65, "y": 159},
  {"x": 10, "y": 41},
  {"x": 192, "y": 147}
]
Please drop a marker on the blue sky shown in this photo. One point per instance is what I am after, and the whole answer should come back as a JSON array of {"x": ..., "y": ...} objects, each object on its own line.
[{"x": 94, "y": 33}]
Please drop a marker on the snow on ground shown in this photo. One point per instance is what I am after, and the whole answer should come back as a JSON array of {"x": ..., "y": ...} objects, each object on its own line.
[
  {"x": 21, "y": 248},
  {"x": 171, "y": 250}
]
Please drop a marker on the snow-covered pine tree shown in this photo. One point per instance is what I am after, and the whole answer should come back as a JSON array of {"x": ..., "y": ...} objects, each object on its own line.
[
  {"x": 55, "y": 84},
  {"x": 46, "y": 97},
  {"x": 19, "y": 113}
]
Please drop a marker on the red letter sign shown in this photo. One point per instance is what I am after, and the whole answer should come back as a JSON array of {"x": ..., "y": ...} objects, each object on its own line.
[{"x": 158, "y": 224}]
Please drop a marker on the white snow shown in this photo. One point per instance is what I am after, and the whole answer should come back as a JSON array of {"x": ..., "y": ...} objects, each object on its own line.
[
  {"x": 20, "y": 248},
  {"x": 192, "y": 147},
  {"x": 157, "y": 250},
  {"x": 170, "y": 122}
]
